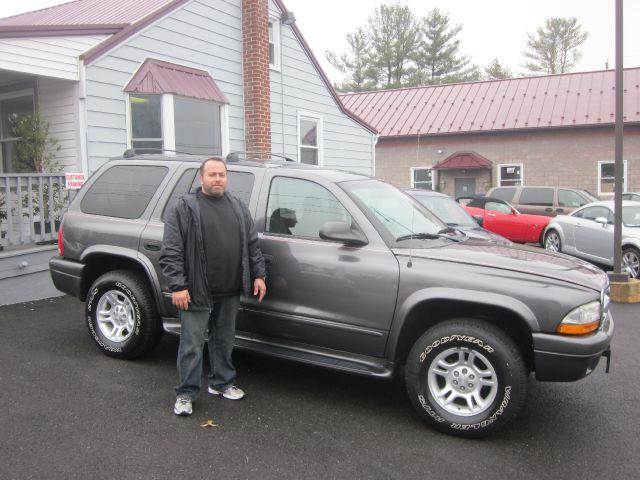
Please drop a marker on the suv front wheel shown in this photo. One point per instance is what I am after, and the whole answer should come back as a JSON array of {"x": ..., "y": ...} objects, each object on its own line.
[
  {"x": 121, "y": 315},
  {"x": 466, "y": 378}
]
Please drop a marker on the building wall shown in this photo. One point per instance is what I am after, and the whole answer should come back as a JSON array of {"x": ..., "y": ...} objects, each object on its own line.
[
  {"x": 298, "y": 88},
  {"x": 562, "y": 157},
  {"x": 204, "y": 34},
  {"x": 58, "y": 103},
  {"x": 55, "y": 57}
]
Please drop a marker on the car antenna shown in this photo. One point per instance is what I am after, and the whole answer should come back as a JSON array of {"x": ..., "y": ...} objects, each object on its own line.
[{"x": 413, "y": 216}]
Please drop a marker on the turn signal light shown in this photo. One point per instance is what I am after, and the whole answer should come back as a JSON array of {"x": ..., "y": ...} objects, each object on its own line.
[
  {"x": 577, "y": 329},
  {"x": 61, "y": 242}
]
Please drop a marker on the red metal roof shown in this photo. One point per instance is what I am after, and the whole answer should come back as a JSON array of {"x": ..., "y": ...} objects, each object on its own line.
[
  {"x": 467, "y": 160},
  {"x": 156, "y": 76},
  {"x": 87, "y": 12},
  {"x": 565, "y": 100}
]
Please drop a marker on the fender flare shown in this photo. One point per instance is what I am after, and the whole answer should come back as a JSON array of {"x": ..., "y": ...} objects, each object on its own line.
[
  {"x": 136, "y": 257},
  {"x": 457, "y": 295}
]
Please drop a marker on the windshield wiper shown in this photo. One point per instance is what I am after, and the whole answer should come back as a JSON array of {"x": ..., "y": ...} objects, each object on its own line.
[{"x": 431, "y": 236}]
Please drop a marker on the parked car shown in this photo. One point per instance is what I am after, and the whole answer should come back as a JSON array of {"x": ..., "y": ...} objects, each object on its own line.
[
  {"x": 631, "y": 196},
  {"x": 548, "y": 201},
  {"x": 588, "y": 233},
  {"x": 451, "y": 213},
  {"x": 361, "y": 278},
  {"x": 502, "y": 218}
]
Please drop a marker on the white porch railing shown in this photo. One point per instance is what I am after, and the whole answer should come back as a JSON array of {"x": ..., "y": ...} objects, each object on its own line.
[{"x": 31, "y": 207}]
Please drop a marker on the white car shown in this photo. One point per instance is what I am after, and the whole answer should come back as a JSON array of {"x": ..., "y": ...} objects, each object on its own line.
[{"x": 588, "y": 233}]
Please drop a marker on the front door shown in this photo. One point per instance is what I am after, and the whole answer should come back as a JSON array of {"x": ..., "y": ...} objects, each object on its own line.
[
  {"x": 465, "y": 187},
  {"x": 320, "y": 292}
]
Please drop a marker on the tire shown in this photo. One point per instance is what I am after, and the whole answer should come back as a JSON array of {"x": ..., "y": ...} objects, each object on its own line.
[
  {"x": 552, "y": 241},
  {"x": 131, "y": 327},
  {"x": 631, "y": 260},
  {"x": 497, "y": 359}
]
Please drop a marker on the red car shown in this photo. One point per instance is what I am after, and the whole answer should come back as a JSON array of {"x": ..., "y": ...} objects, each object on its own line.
[{"x": 499, "y": 217}]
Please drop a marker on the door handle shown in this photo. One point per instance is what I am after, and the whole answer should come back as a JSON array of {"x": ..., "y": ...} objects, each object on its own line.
[
  {"x": 491, "y": 214},
  {"x": 549, "y": 209},
  {"x": 560, "y": 210},
  {"x": 268, "y": 259},
  {"x": 152, "y": 246}
]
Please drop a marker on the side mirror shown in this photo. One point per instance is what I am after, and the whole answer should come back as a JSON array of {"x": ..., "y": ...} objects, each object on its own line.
[
  {"x": 343, "y": 233},
  {"x": 602, "y": 221},
  {"x": 479, "y": 219}
]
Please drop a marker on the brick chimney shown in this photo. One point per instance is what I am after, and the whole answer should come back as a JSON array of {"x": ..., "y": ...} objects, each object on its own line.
[{"x": 255, "y": 73}]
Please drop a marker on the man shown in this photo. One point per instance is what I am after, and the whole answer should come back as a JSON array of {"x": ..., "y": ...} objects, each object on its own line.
[{"x": 210, "y": 255}]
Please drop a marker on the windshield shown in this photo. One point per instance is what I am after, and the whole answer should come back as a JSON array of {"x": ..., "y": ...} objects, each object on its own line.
[
  {"x": 396, "y": 213},
  {"x": 631, "y": 216},
  {"x": 448, "y": 210}
]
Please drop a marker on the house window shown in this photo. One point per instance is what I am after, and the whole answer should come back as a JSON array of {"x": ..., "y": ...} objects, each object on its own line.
[
  {"x": 606, "y": 177},
  {"x": 146, "y": 123},
  {"x": 422, "y": 178},
  {"x": 197, "y": 126},
  {"x": 309, "y": 139},
  {"x": 274, "y": 44},
  {"x": 13, "y": 106},
  {"x": 510, "y": 175}
]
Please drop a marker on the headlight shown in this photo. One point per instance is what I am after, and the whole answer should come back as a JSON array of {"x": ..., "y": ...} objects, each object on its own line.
[{"x": 581, "y": 320}]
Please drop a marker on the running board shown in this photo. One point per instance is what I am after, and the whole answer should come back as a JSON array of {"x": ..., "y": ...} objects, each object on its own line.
[{"x": 303, "y": 353}]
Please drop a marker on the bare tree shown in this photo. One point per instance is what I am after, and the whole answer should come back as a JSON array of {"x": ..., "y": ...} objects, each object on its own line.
[{"x": 554, "y": 47}]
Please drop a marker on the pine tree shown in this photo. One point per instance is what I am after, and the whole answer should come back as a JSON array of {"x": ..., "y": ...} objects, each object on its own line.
[
  {"x": 495, "y": 71},
  {"x": 554, "y": 48},
  {"x": 356, "y": 66}
]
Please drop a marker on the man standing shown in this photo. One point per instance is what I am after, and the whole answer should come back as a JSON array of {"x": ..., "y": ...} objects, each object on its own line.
[{"x": 210, "y": 255}]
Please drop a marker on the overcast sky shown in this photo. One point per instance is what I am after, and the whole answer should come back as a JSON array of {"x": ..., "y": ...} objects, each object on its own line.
[{"x": 491, "y": 28}]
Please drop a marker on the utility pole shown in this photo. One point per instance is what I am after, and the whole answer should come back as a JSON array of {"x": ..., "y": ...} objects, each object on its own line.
[{"x": 619, "y": 166}]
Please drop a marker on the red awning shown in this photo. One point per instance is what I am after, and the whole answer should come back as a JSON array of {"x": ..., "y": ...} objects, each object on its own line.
[
  {"x": 156, "y": 76},
  {"x": 463, "y": 160}
]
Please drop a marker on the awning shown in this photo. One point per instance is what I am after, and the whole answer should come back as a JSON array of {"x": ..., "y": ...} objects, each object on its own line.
[
  {"x": 156, "y": 76},
  {"x": 463, "y": 160}
]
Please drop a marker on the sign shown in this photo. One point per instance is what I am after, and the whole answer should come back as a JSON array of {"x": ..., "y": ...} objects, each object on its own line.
[{"x": 74, "y": 180}]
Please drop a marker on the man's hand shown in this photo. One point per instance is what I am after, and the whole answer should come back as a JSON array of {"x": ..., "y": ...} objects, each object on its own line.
[
  {"x": 259, "y": 288},
  {"x": 181, "y": 299}
]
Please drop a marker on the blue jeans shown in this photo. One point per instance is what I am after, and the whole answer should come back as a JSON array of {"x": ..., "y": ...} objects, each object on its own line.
[{"x": 218, "y": 326}]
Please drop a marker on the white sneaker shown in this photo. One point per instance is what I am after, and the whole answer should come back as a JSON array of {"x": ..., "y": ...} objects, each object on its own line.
[
  {"x": 231, "y": 393},
  {"x": 183, "y": 406}
]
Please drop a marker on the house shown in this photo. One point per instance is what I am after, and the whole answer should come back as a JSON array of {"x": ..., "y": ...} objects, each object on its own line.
[
  {"x": 195, "y": 76},
  {"x": 465, "y": 138}
]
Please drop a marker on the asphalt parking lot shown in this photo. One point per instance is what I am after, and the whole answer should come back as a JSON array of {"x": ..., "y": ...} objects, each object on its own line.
[{"x": 70, "y": 412}]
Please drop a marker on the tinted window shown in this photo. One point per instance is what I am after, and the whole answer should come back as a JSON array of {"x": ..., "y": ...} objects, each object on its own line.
[
  {"x": 536, "y": 196},
  {"x": 180, "y": 189},
  {"x": 569, "y": 198},
  {"x": 123, "y": 191},
  {"x": 240, "y": 184},
  {"x": 301, "y": 208},
  {"x": 505, "y": 194}
]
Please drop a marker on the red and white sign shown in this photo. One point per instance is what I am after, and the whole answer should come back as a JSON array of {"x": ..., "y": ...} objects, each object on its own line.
[{"x": 74, "y": 180}]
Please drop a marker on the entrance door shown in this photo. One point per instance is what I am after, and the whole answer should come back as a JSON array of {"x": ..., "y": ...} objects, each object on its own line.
[{"x": 465, "y": 187}]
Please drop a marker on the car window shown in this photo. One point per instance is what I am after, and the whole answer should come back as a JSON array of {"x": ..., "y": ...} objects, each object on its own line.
[
  {"x": 497, "y": 207},
  {"x": 569, "y": 198},
  {"x": 631, "y": 196},
  {"x": 448, "y": 210},
  {"x": 536, "y": 196},
  {"x": 239, "y": 183},
  {"x": 505, "y": 194},
  {"x": 591, "y": 213},
  {"x": 182, "y": 187},
  {"x": 123, "y": 191},
  {"x": 301, "y": 207},
  {"x": 631, "y": 216}
]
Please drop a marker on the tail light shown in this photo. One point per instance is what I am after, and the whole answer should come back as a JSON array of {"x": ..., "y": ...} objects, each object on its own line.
[{"x": 61, "y": 241}]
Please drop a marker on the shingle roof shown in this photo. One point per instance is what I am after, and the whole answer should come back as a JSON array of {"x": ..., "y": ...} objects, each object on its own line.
[
  {"x": 566, "y": 100},
  {"x": 156, "y": 76}
]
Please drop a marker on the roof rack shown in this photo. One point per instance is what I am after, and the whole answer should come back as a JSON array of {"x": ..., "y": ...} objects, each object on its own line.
[
  {"x": 236, "y": 156},
  {"x": 132, "y": 152}
]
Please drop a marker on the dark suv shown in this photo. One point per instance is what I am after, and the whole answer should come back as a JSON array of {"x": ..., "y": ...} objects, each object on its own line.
[{"x": 361, "y": 278}]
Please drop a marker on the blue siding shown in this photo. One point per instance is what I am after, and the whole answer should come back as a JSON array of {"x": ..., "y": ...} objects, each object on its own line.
[
  {"x": 346, "y": 144},
  {"x": 204, "y": 34}
]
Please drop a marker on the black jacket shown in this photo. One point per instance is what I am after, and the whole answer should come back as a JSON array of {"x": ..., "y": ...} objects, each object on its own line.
[{"x": 183, "y": 260}]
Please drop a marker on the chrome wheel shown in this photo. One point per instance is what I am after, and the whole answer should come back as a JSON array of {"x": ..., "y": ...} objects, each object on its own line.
[
  {"x": 462, "y": 381},
  {"x": 552, "y": 242},
  {"x": 631, "y": 262},
  {"x": 115, "y": 316}
]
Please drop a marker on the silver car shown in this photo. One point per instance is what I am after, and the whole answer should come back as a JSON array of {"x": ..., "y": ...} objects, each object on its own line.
[{"x": 588, "y": 233}]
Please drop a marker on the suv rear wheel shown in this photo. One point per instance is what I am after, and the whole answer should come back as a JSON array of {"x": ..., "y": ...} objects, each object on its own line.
[
  {"x": 466, "y": 378},
  {"x": 121, "y": 315}
]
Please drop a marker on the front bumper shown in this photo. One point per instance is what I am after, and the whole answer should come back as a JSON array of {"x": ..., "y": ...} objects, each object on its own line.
[
  {"x": 561, "y": 358},
  {"x": 67, "y": 276}
]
